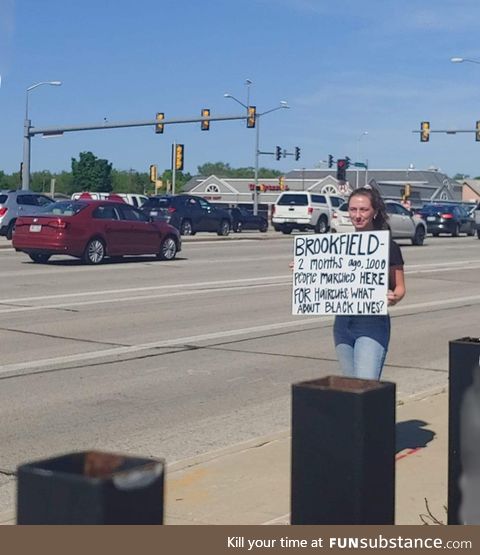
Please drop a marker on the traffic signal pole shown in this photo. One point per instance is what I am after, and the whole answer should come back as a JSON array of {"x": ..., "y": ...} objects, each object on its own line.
[
  {"x": 30, "y": 132},
  {"x": 257, "y": 154}
]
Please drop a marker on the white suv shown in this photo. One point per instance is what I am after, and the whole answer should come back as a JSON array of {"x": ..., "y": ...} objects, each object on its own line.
[{"x": 304, "y": 210}]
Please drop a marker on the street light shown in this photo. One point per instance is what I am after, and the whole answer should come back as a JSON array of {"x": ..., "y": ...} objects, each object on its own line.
[
  {"x": 358, "y": 153},
  {"x": 26, "y": 135},
  {"x": 457, "y": 60},
  {"x": 283, "y": 105}
]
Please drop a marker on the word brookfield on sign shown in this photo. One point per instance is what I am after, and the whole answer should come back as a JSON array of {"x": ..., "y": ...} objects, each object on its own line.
[{"x": 341, "y": 273}]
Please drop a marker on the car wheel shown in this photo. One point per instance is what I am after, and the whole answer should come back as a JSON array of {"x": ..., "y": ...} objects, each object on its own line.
[
  {"x": 238, "y": 227},
  {"x": 286, "y": 230},
  {"x": 264, "y": 227},
  {"x": 478, "y": 233},
  {"x": 94, "y": 252},
  {"x": 39, "y": 258},
  {"x": 224, "y": 228},
  {"x": 436, "y": 234},
  {"x": 419, "y": 236},
  {"x": 456, "y": 231},
  {"x": 168, "y": 249},
  {"x": 322, "y": 225},
  {"x": 186, "y": 228},
  {"x": 10, "y": 230}
]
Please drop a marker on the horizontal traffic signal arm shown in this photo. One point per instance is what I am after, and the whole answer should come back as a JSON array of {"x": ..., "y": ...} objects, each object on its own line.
[{"x": 117, "y": 124}]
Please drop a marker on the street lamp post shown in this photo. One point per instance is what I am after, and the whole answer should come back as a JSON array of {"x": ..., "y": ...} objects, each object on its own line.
[
  {"x": 358, "y": 152},
  {"x": 27, "y": 137},
  {"x": 283, "y": 104}
]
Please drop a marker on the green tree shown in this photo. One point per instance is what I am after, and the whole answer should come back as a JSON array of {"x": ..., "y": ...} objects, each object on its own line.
[
  {"x": 180, "y": 179},
  {"x": 221, "y": 169},
  {"x": 91, "y": 173}
]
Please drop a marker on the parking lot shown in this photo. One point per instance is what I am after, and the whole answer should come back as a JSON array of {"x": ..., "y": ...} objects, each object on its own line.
[{"x": 177, "y": 358}]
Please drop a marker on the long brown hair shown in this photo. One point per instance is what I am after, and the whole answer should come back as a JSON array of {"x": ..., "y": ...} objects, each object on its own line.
[{"x": 381, "y": 219}]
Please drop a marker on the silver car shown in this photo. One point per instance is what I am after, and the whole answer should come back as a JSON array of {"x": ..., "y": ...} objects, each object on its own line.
[
  {"x": 403, "y": 223},
  {"x": 18, "y": 203}
]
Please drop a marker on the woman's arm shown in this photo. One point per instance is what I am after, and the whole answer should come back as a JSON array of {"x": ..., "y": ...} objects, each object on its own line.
[{"x": 397, "y": 283}]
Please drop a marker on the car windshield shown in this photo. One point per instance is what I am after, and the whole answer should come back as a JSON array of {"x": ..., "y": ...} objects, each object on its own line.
[
  {"x": 297, "y": 200},
  {"x": 435, "y": 208},
  {"x": 344, "y": 207},
  {"x": 64, "y": 208}
]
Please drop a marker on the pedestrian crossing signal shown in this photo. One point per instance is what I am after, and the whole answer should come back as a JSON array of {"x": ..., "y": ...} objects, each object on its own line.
[{"x": 425, "y": 131}]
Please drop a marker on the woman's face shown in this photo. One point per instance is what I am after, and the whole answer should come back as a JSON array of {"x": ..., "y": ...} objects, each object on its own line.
[{"x": 361, "y": 213}]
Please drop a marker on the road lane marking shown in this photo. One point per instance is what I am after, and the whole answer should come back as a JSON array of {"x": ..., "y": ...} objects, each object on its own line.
[
  {"x": 211, "y": 286},
  {"x": 180, "y": 341}
]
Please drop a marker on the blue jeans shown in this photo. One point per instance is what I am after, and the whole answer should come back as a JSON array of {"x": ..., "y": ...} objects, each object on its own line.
[{"x": 361, "y": 343}]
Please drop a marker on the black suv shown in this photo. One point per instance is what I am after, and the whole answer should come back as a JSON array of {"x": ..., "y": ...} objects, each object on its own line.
[{"x": 188, "y": 214}]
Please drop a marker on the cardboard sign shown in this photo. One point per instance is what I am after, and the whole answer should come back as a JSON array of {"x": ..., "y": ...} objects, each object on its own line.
[{"x": 341, "y": 273}]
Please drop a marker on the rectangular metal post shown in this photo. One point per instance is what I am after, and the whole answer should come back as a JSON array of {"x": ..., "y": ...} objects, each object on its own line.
[
  {"x": 91, "y": 488},
  {"x": 464, "y": 356},
  {"x": 343, "y": 452}
]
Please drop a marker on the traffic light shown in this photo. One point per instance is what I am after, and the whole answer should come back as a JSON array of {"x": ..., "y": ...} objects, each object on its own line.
[
  {"x": 477, "y": 134},
  {"x": 159, "y": 126},
  {"x": 424, "y": 131},
  {"x": 297, "y": 153},
  {"x": 252, "y": 114},
  {"x": 330, "y": 161},
  {"x": 408, "y": 190},
  {"x": 278, "y": 152},
  {"x": 205, "y": 125},
  {"x": 153, "y": 173},
  {"x": 341, "y": 169},
  {"x": 178, "y": 159},
  {"x": 281, "y": 182},
  {"x": 347, "y": 162}
]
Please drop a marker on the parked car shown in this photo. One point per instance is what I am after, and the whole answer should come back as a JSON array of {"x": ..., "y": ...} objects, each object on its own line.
[
  {"x": 131, "y": 198},
  {"x": 92, "y": 230},
  {"x": 304, "y": 210},
  {"x": 16, "y": 203},
  {"x": 244, "y": 219},
  {"x": 445, "y": 218},
  {"x": 403, "y": 223},
  {"x": 188, "y": 214}
]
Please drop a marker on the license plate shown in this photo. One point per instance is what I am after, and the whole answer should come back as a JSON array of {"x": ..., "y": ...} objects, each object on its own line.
[
  {"x": 430, "y": 218},
  {"x": 35, "y": 228}
]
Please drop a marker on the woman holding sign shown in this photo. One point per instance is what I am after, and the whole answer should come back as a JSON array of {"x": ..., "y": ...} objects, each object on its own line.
[{"x": 361, "y": 342}]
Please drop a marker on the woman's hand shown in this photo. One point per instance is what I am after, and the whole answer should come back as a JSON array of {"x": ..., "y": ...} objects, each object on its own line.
[{"x": 392, "y": 298}]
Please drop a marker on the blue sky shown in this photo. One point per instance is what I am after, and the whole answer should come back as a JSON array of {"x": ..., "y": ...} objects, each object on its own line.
[{"x": 344, "y": 66}]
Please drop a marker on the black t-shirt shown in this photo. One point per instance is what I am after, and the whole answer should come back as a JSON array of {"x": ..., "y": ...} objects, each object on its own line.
[{"x": 396, "y": 258}]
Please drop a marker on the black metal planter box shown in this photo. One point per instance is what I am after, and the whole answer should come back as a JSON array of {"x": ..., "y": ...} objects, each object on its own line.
[
  {"x": 91, "y": 487},
  {"x": 343, "y": 452},
  {"x": 464, "y": 357}
]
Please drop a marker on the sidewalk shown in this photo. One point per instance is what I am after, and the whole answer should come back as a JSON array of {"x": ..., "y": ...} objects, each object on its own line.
[{"x": 249, "y": 483}]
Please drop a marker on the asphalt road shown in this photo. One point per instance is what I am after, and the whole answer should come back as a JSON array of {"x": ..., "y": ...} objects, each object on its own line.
[{"x": 172, "y": 359}]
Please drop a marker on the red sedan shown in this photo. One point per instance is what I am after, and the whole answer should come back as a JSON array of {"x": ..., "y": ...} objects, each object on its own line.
[{"x": 92, "y": 230}]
